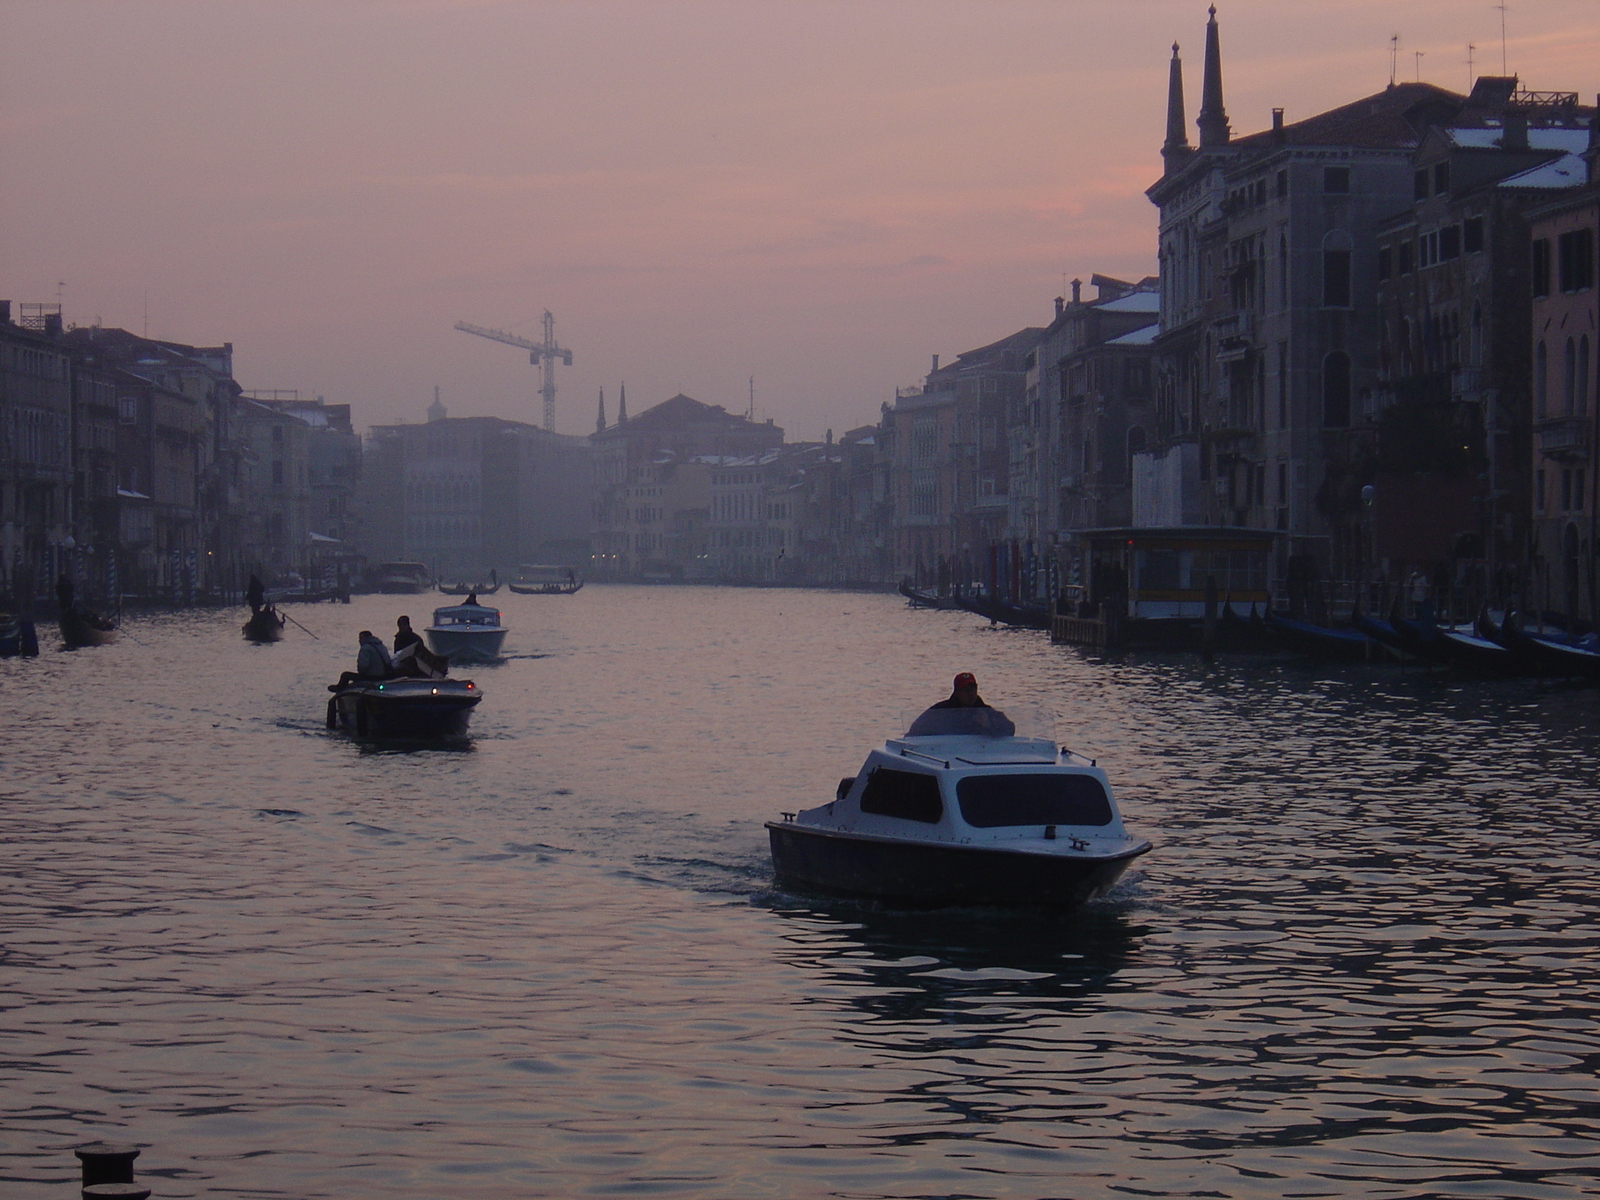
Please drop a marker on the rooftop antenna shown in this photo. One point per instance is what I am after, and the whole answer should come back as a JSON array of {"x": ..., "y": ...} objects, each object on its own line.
[
  {"x": 751, "y": 414},
  {"x": 1503, "y": 7},
  {"x": 1470, "y": 49},
  {"x": 1417, "y": 54},
  {"x": 1394, "y": 57}
]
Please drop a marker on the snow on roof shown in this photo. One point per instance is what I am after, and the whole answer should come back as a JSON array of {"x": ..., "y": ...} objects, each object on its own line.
[
  {"x": 1139, "y": 337},
  {"x": 1571, "y": 141},
  {"x": 1567, "y": 171},
  {"x": 1134, "y": 302}
]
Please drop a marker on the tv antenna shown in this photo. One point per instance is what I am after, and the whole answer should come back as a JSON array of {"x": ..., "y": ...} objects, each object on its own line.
[
  {"x": 1417, "y": 54},
  {"x": 1394, "y": 60},
  {"x": 1503, "y": 7}
]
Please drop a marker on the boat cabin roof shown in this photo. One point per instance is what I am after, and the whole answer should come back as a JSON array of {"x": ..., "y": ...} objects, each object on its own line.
[{"x": 466, "y": 614}]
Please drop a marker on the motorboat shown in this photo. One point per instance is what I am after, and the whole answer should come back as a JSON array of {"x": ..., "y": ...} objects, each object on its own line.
[
  {"x": 961, "y": 810},
  {"x": 533, "y": 579},
  {"x": 265, "y": 625},
  {"x": 404, "y": 708},
  {"x": 469, "y": 632},
  {"x": 403, "y": 578}
]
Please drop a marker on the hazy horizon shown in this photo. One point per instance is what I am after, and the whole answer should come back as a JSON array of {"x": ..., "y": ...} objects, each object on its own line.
[{"x": 819, "y": 195}]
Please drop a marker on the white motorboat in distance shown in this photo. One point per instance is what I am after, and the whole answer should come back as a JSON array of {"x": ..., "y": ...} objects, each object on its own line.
[
  {"x": 469, "y": 632},
  {"x": 958, "y": 816}
]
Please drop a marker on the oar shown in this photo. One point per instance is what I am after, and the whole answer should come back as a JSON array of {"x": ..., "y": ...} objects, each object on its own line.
[{"x": 297, "y": 624}]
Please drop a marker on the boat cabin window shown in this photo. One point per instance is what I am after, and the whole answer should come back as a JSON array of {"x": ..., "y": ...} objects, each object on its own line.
[
  {"x": 991, "y": 800},
  {"x": 911, "y": 795}
]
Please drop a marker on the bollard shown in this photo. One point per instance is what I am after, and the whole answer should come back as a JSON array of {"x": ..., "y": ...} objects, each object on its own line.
[
  {"x": 116, "y": 1191},
  {"x": 107, "y": 1162}
]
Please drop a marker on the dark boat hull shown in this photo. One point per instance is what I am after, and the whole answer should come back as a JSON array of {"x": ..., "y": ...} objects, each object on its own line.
[
  {"x": 546, "y": 589},
  {"x": 1347, "y": 645},
  {"x": 463, "y": 590},
  {"x": 80, "y": 629},
  {"x": 365, "y": 713},
  {"x": 1551, "y": 658},
  {"x": 264, "y": 626},
  {"x": 921, "y": 874},
  {"x": 920, "y": 599},
  {"x": 1024, "y": 616}
]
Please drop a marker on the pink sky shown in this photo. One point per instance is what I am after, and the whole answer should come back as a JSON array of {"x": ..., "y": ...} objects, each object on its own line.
[{"x": 817, "y": 194}]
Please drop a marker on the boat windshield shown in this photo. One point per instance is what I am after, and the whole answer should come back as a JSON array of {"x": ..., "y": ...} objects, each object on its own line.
[
  {"x": 988, "y": 801},
  {"x": 1010, "y": 720}
]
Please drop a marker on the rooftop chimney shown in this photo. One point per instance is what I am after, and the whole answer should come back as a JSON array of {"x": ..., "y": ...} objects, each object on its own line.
[
  {"x": 5, "y": 312},
  {"x": 1213, "y": 119},
  {"x": 1176, "y": 148},
  {"x": 52, "y": 324},
  {"x": 1278, "y": 135},
  {"x": 1077, "y": 291},
  {"x": 1061, "y": 303},
  {"x": 935, "y": 363},
  {"x": 1514, "y": 130}
]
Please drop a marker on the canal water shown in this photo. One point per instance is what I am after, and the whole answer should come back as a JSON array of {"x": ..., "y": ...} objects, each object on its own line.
[{"x": 1361, "y": 961}]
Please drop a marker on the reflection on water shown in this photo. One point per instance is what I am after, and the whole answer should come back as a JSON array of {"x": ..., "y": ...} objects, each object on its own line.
[{"x": 1359, "y": 962}]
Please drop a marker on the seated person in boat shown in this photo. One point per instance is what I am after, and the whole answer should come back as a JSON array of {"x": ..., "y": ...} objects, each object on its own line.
[
  {"x": 964, "y": 712},
  {"x": 404, "y": 635},
  {"x": 373, "y": 663}
]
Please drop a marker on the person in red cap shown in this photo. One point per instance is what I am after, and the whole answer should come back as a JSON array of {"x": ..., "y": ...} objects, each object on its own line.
[{"x": 989, "y": 722}]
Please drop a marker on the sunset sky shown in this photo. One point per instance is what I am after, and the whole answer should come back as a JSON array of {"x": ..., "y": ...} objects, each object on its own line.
[{"x": 817, "y": 194}]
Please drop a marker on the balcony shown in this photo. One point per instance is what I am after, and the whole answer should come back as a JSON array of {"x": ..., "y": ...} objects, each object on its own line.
[
  {"x": 1234, "y": 335},
  {"x": 1563, "y": 438}
]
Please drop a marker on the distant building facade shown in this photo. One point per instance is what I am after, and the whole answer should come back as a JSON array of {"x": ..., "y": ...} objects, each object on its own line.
[
  {"x": 466, "y": 495},
  {"x": 652, "y": 481}
]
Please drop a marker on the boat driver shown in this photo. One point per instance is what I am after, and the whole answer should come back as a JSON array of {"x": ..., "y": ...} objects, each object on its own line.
[
  {"x": 973, "y": 715},
  {"x": 404, "y": 635}
]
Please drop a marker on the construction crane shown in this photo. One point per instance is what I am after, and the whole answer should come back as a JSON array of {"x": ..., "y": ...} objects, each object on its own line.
[{"x": 540, "y": 354}]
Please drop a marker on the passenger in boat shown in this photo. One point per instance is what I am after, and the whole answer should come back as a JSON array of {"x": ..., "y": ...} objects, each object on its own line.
[
  {"x": 404, "y": 635},
  {"x": 372, "y": 663},
  {"x": 963, "y": 712},
  {"x": 472, "y": 598}
]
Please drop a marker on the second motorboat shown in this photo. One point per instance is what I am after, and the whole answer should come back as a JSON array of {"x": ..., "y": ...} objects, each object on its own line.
[{"x": 467, "y": 633}]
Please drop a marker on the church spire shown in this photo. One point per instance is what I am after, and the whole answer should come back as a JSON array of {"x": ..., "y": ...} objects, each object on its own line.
[
  {"x": 1213, "y": 120},
  {"x": 622, "y": 406},
  {"x": 1176, "y": 148},
  {"x": 600, "y": 419}
]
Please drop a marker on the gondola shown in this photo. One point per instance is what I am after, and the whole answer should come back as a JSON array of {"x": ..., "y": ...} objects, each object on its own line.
[
  {"x": 1420, "y": 639},
  {"x": 470, "y": 589},
  {"x": 1348, "y": 645},
  {"x": 921, "y": 599},
  {"x": 265, "y": 625},
  {"x": 1565, "y": 659},
  {"x": 547, "y": 589},
  {"x": 81, "y": 628},
  {"x": 1025, "y": 616}
]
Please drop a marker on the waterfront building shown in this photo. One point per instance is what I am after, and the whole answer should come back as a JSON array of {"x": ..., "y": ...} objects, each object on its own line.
[
  {"x": 1564, "y": 350},
  {"x": 465, "y": 495},
  {"x": 178, "y": 503},
  {"x": 1269, "y": 327},
  {"x": 1086, "y": 408},
  {"x": 276, "y": 493},
  {"x": 652, "y": 485},
  {"x": 949, "y": 465},
  {"x": 1432, "y": 473},
  {"x": 35, "y": 449}
]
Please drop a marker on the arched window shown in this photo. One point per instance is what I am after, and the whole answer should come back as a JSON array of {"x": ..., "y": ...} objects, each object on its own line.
[
  {"x": 1336, "y": 390},
  {"x": 1583, "y": 375},
  {"x": 1570, "y": 389},
  {"x": 1541, "y": 380}
]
